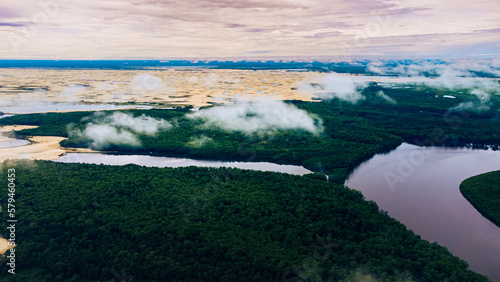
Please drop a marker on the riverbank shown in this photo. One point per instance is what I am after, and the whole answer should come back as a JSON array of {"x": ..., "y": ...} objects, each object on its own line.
[
  {"x": 40, "y": 147},
  {"x": 483, "y": 192},
  {"x": 4, "y": 245},
  {"x": 419, "y": 187}
]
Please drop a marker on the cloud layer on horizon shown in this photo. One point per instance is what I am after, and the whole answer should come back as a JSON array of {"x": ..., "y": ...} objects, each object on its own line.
[
  {"x": 463, "y": 75},
  {"x": 456, "y": 68},
  {"x": 335, "y": 85}
]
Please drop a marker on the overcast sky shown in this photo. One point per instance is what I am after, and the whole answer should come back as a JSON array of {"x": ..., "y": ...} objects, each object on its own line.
[{"x": 115, "y": 29}]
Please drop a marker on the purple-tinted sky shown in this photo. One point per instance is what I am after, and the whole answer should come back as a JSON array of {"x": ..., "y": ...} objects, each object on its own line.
[{"x": 100, "y": 29}]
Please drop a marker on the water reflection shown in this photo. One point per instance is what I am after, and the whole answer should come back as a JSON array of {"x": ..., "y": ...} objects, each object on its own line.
[
  {"x": 150, "y": 161},
  {"x": 13, "y": 143},
  {"x": 420, "y": 188}
]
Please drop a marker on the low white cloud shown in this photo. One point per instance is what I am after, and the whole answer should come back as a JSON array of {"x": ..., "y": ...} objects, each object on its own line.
[
  {"x": 198, "y": 142},
  {"x": 23, "y": 100},
  {"x": 375, "y": 67},
  {"x": 459, "y": 74},
  {"x": 102, "y": 136},
  {"x": 192, "y": 79},
  {"x": 453, "y": 82},
  {"x": 211, "y": 80},
  {"x": 335, "y": 85},
  {"x": 118, "y": 129},
  {"x": 141, "y": 124},
  {"x": 473, "y": 106},
  {"x": 472, "y": 76},
  {"x": 387, "y": 98},
  {"x": 260, "y": 116},
  {"x": 106, "y": 86},
  {"x": 146, "y": 82},
  {"x": 459, "y": 67},
  {"x": 481, "y": 104},
  {"x": 72, "y": 93}
]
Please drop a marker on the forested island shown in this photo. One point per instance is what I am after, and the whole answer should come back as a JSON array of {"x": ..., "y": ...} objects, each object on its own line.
[{"x": 483, "y": 192}]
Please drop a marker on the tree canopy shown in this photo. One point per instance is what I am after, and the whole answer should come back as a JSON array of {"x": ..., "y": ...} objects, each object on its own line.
[{"x": 80, "y": 222}]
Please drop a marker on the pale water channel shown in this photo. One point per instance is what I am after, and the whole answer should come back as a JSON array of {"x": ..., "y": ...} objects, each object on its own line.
[{"x": 153, "y": 161}]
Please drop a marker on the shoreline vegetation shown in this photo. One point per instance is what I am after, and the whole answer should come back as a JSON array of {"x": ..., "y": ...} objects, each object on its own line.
[
  {"x": 39, "y": 147},
  {"x": 483, "y": 192}
]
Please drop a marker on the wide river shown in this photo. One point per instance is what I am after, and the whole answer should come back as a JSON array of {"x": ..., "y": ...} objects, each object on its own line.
[{"x": 420, "y": 187}]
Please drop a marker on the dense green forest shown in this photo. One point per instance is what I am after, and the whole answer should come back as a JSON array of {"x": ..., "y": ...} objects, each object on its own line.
[
  {"x": 483, "y": 192},
  {"x": 79, "y": 222},
  {"x": 87, "y": 222},
  {"x": 352, "y": 133}
]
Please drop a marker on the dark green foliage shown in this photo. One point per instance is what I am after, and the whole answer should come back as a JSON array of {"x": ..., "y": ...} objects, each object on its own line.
[
  {"x": 483, "y": 192},
  {"x": 79, "y": 222}
]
